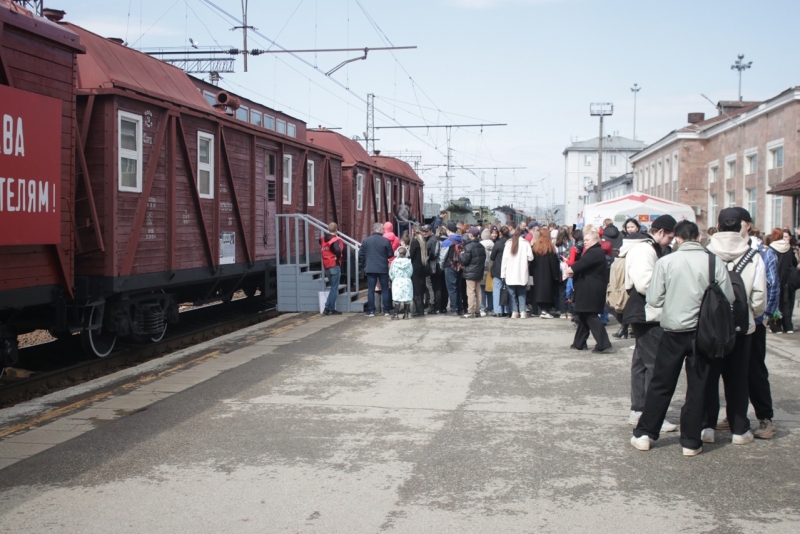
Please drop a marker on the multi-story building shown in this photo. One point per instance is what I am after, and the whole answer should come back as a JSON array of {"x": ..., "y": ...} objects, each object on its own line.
[
  {"x": 580, "y": 170},
  {"x": 732, "y": 159}
]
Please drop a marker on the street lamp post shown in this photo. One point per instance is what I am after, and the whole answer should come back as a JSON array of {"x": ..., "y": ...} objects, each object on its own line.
[
  {"x": 601, "y": 110},
  {"x": 635, "y": 89},
  {"x": 741, "y": 66}
]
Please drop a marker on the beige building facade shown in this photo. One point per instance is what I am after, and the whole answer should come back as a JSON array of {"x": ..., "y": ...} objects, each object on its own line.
[{"x": 732, "y": 159}]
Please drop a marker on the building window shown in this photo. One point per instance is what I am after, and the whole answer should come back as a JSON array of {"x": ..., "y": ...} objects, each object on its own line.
[
  {"x": 243, "y": 114},
  {"x": 776, "y": 157},
  {"x": 205, "y": 164},
  {"x": 713, "y": 208},
  {"x": 587, "y": 182},
  {"x": 667, "y": 172},
  {"x": 269, "y": 122},
  {"x": 311, "y": 182},
  {"x": 752, "y": 203},
  {"x": 731, "y": 199},
  {"x": 730, "y": 169},
  {"x": 675, "y": 168},
  {"x": 256, "y": 117},
  {"x": 281, "y": 127},
  {"x": 752, "y": 164},
  {"x": 713, "y": 174},
  {"x": 587, "y": 160},
  {"x": 359, "y": 192},
  {"x": 271, "y": 190},
  {"x": 210, "y": 98},
  {"x": 130, "y": 152},
  {"x": 292, "y": 130},
  {"x": 777, "y": 211},
  {"x": 287, "y": 179},
  {"x": 613, "y": 160}
]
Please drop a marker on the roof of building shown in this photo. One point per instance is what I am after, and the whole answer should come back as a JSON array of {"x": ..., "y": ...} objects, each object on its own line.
[
  {"x": 788, "y": 187},
  {"x": 610, "y": 142},
  {"x": 108, "y": 65}
]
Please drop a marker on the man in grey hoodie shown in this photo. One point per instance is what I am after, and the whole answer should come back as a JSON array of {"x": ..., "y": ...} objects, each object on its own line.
[
  {"x": 731, "y": 244},
  {"x": 676, "y": 289}
]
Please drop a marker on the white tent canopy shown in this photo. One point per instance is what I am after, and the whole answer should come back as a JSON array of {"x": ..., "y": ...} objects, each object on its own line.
[{"x": 639, "y": 206}]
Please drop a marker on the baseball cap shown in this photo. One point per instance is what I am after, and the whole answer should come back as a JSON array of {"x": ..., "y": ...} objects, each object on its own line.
[
  {"x": 452, "y": 227},
  {"x": 744, "y": 214},
  {"x": 732, "y": 216},
  {"x": 474, "y": 231},
  {"x": 664, "y": 222}
]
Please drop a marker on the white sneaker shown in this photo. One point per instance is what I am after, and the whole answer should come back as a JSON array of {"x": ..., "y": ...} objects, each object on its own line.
[
  {"x": 707, "y": 435},
  {"x": 634, "y": 418},
  {"x": 743, "y": 439},
  {"x": 666, "y": 426},
  {"x": 790, "y": 331},
  {"x": 515, "y": 315},
  {"x": 778, "y": 332},
  {"x": 545, "y": 315},
  {"x": 483, "y": 313},
  {"x": 692, "y": 452},
  {"x": 643, "y": 443},
  {"x": 523, "y": 315}
]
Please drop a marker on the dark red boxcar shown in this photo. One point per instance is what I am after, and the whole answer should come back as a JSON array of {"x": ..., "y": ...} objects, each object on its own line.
[{"x": 37, "y": 107}]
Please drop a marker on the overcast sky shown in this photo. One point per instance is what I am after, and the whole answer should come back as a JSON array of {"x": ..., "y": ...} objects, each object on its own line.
[{"x": 533, "y": 64}]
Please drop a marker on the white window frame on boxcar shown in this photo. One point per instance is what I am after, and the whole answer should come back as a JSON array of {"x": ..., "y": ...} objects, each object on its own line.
[
  {"x": 359, "y": 191},
  {"x": 311, "y": 183},
  {"x": 269, "y": 122},
  {"x": 286, "y": 176},
  {"x": 281, "y": 129},
  {"x": 129, "y": 154},
  {"x": 253, "y": 115},
  {"x": 291, "y": 130},
  {"x": 206, "y": 166},
  {"x": 378, "y": 199},
  {"x": 243, "y": 113},
  {"x": 389, "y": 194}
]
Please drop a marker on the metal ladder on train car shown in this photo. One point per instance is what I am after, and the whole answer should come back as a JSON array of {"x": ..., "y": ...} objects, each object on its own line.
[{"x": 300, "y": 275}]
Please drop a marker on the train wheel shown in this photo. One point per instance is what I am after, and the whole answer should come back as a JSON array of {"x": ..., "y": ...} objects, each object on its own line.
[
  {"x": 159, "y": 337},
  {"x": 96, "y": 341}
]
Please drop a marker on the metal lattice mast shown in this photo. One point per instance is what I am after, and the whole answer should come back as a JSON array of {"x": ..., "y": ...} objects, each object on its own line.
[
  {"x": 369, "y": 135},
  {"x": 34, "y": 5}
]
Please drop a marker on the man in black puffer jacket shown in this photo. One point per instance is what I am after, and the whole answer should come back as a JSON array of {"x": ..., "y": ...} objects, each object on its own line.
[
  {"x": 473, "y": 259},
  {"x": 612, "y": 235}
]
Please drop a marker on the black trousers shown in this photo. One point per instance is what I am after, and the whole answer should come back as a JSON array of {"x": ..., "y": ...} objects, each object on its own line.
[
  {"x": 733, "y": 369},
  {"x": 675, "y": 349},
  {"x": 590, "y": 322},
  {"x": 758, "y": 376},
  {"x": 439, "y": 292},
  {"x": 786, "y": 307},
  {"x": 418, "y": 283}
]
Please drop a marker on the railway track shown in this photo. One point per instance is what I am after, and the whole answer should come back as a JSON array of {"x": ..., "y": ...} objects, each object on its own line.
[{"x": 61, "y": 364}]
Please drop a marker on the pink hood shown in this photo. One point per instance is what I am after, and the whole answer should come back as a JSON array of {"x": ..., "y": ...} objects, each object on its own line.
[{"x": 388, "y": 227}]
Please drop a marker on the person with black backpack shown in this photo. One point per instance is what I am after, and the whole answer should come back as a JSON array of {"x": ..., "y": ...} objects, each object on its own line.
[
  {"x": 451, "y": 249},
  {"x": 749, "y": 280},
  {"x": 680, "y": 284}
]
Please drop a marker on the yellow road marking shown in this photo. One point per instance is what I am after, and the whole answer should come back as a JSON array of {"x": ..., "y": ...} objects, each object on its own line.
[{"x": 132, "y": 385}]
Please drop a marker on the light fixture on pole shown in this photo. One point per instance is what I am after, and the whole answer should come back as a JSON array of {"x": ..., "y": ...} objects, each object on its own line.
[
  {"x": 603, "y": 109},
  {"x": 741, "y": 66},
  {"x": 635, "y": 90}
]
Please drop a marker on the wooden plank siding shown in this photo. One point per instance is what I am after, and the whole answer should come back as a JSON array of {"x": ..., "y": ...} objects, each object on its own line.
[{"x": 38, "y": 65}]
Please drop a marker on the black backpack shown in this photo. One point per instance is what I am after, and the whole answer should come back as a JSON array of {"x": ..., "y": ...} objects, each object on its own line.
[
  {"x": 741, "y": 304},
  {"x": 716, "y": 329}
]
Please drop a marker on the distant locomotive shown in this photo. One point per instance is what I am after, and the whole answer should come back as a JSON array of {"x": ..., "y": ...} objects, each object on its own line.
[{"x": 131, "y": 187}]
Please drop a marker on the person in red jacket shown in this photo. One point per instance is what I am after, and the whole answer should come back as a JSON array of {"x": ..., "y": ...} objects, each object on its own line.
[{"x": 332, "y": 249}]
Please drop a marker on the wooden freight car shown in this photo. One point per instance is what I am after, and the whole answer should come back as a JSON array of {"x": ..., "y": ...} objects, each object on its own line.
[
  {"x": 372, "y": 186},
  {"x": 178, "y": 190},
  {"x": 37, "y": 105}
]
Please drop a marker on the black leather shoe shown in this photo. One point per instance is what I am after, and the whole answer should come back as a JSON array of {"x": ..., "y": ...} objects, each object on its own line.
[{"x": 622, "y": 333}]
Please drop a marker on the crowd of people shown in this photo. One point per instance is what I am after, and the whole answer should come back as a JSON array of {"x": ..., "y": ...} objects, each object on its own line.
[{"x": 663, "y": 273}]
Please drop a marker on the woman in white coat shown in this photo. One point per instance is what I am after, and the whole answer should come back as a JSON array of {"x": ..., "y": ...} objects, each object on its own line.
[{"x": 514, "y": 272}]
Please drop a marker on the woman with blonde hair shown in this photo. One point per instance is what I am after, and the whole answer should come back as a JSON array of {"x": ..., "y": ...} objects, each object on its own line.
[
  {"x": 546, "y": 274},
  {"x": 514, "y": 272}
]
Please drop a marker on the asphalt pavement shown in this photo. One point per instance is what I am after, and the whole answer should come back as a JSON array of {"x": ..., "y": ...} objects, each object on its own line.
[{"x": 438, "y": 424}]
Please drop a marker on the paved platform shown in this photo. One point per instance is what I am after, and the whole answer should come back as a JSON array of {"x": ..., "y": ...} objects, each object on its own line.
[{"x": 355, "y": 424}]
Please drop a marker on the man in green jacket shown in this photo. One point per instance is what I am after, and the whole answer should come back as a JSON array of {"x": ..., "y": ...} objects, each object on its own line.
[{"x": 677, "y": 288}]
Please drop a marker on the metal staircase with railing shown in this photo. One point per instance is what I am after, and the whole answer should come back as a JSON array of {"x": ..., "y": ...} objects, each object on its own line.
[{"x": 300, "y": 275}]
